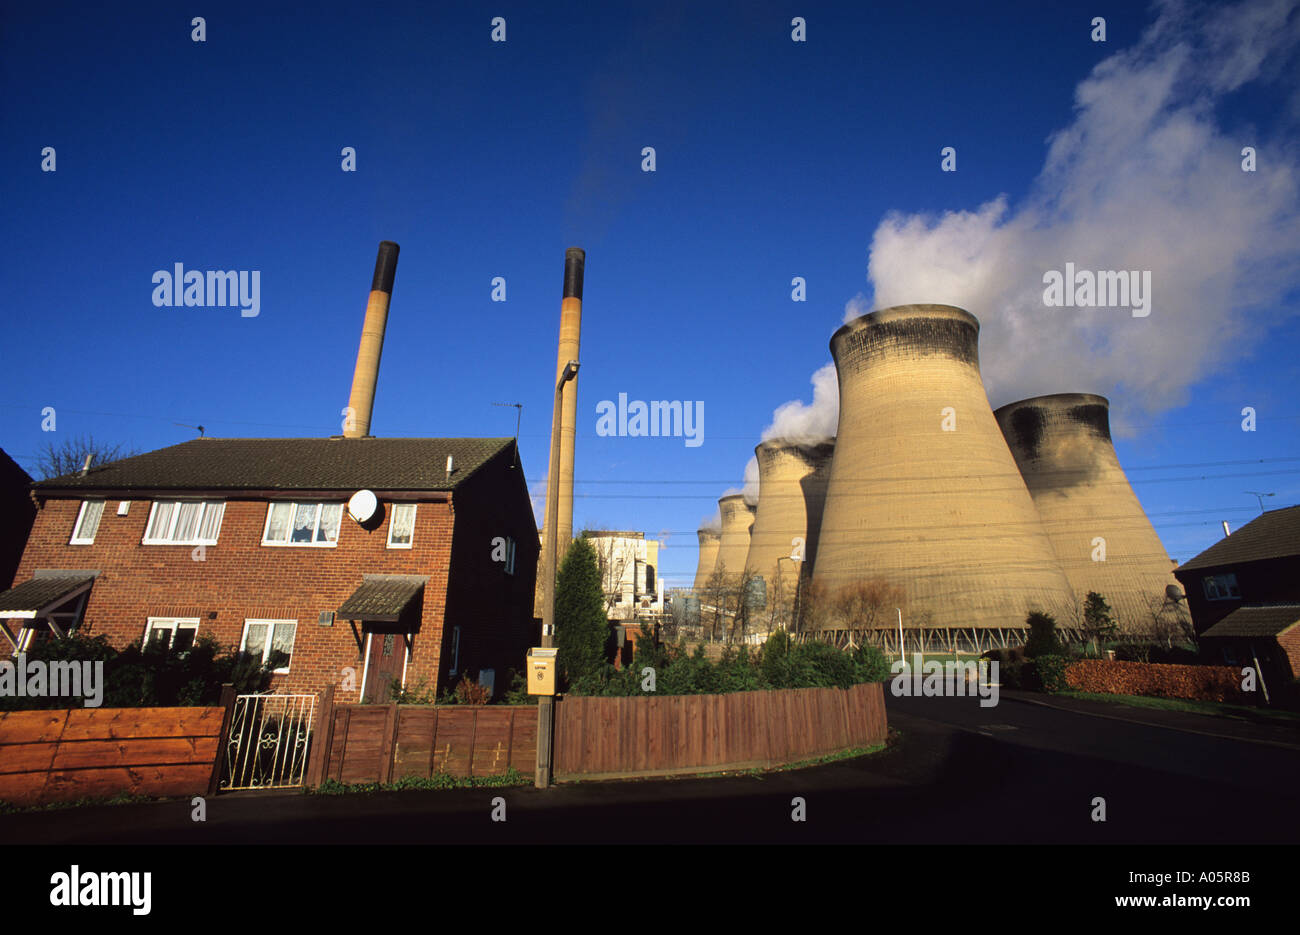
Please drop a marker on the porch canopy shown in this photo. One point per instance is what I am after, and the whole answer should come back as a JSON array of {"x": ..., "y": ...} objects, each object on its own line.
[
  {"x": 382, "y": 598},
  {"x": 45, "y": 597}
]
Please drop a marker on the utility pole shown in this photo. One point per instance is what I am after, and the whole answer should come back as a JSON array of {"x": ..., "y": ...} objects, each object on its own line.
[{"x": 546, "y": 703}]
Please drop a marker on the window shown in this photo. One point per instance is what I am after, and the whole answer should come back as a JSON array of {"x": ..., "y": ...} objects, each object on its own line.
[
  {"x": 188, "y": 522},
  {"x": 455, "y": 651},
  {"x": 270, "y": 641},
  {"x": 401, "y": 526},
  {"x": 87, "y": 524},
  {"x": 309, "y": 524},
  {"x": 1221, "y": 587},
  {"x": 170, "y": 633},
  {"x": 510, "y": 556}
]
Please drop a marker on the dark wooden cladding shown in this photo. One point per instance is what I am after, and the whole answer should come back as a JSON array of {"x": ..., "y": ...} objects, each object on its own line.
[
  {"x": 657, "y": 735},
  {"x": 55, "y": 756},
  {"x": 385, "y": 743}
]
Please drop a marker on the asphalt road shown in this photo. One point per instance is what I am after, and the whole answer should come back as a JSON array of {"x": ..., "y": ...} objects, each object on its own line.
[{"x": 959, "y": 773}]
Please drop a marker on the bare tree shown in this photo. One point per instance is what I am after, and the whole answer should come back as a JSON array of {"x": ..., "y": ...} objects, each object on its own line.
[
  {"x": 69, "y": 456},
  {"x": 862, "y": 605},
  {"x": 715, "y": 592}
]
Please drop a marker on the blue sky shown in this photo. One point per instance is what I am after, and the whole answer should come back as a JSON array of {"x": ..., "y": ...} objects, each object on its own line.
[{"x": 775, "y": 159}]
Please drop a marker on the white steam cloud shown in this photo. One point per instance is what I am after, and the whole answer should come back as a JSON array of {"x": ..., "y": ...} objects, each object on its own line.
[{"x": 1141, "y": 179}]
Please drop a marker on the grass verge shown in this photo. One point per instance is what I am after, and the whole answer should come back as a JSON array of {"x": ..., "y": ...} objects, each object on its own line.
[
  {"x": 1213, "y": 708},
  {"x": 511, "y": 777}
]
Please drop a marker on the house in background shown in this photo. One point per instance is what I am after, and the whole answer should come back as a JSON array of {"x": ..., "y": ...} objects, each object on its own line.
[
  {"x": 352, "y": 562},
  {"x": 1243, "y": 593},
  {"x": 17, "y": 512}
]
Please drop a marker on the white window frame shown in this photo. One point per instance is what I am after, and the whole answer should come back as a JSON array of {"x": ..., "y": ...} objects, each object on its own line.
[
  {"x": 175, "y": 518},
  {"x": 455, "y": 652},
  {"x": 392, "y": 522},
  {"x": 294, "y": 504},
  {"x": 81, "y": 515},
  {"x": 1217, "y": 587},
  {"x": 270, "y": 624},
  {"x": 170, "y": 623}
]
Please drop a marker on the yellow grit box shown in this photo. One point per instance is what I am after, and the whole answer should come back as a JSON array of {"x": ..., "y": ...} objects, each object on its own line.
[
  {"x": 923, "y": 489},
  {"x": 709, "y": 542},
  {"x": 792, "y": 479},
  {"x": 733, "y": 542},
  {"x": 1100, "y": 533}
]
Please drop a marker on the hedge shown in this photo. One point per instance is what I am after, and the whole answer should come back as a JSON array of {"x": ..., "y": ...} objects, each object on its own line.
[{"x": 1198, "y": 683}]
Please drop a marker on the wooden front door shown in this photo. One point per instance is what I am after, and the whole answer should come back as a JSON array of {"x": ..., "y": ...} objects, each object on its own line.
[{"x": 386, "y": 661}]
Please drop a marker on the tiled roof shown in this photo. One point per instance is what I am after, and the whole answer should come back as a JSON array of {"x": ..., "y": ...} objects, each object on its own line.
[
  {"x": 37, "y": 594},
  {"x": 381, "y": 597},
  {"x": 1256, "y": 621},
  {"x": 1274, "y": 534},
  {"x": 344, "y": 464}
]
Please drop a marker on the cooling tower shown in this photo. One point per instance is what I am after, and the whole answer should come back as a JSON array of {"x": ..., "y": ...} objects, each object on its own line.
[
  {"x": 733, "y": 543},
  {"x": 709, "y": 541},
  {"x": 792, "y": 480},
  {"x": 1062, "y": 445},
  {"x": 923, "y": 491}
]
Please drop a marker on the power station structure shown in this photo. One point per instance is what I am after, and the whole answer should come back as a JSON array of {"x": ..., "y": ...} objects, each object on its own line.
[
  {"x": 733, "y": 540},
  {"x": 709, "y": 542},
  {"x": 792, "y": 479},
  {"x": 1097, "y": 527},
  {"x": 361, "y": 400},
  {"x": 564, "y": 420},
  {"x": 924, "y": 493}
]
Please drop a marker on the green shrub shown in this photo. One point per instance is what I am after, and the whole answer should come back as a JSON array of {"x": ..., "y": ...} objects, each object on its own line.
[
  {"x": 1049, "y": 673},
  {"x": 581, "y": 627},
  {"x": 1042, "y": 636},
  {"x": 138, "y": 676}
]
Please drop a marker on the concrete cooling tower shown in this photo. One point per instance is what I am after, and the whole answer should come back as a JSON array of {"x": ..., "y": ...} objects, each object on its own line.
[
  {"x": 709, "y": 542},
  {"x": 1062, "y": 445},
  {"x": 733, "y": 544},
  {"x": 923, "y": 491},
  {"x": 792, "y": 480}
]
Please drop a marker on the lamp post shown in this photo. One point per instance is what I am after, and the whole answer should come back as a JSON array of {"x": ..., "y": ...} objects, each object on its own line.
[
  {"x": 797, "y": 564},
  {"x": 546, "y": 703}
]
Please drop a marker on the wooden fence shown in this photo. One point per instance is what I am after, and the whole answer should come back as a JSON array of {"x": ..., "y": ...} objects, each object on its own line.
[
  {"x": 650, "y": 736},
  {"x": 54, "y": 756},
  {"x": 384, "y": 743}
]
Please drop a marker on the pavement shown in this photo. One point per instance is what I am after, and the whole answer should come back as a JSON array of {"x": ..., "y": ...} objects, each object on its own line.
[{"x": 1026, "y": 771}]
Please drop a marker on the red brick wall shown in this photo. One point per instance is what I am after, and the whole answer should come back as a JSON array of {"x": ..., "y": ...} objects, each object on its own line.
[
  {"x": 240, "y": 578},
  {"x": 1290, "y": 643}
]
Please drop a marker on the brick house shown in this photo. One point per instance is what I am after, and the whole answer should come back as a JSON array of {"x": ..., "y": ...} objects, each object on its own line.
[
  {"x": 1243, "y": 593},
  {"x": 253, "y": 541},
  {"x": 17, "y": 512}
]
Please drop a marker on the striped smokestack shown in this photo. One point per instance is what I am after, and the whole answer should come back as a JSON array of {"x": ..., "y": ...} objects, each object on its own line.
[
  {"x": 361, "y": 401},
  {"x": 575, "y": 260}
]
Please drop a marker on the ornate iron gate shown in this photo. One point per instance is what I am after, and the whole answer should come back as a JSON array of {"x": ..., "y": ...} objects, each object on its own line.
[{"x": 269, "y": 739}]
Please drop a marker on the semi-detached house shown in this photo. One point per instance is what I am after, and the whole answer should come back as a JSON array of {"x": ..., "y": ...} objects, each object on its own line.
[{"x": 253, "y": 541}]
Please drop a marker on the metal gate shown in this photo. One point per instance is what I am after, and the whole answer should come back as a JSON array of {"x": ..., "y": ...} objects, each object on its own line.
[{"x": 268, "y": 743}]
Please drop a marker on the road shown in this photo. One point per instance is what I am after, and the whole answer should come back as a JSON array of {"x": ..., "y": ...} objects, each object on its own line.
[{"x": 1019, "y": 772}]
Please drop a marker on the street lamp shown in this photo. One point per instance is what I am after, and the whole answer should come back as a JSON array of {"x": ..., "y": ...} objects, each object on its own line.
[
  {"x": 546, "y": 703},
  {"x": 798, "y": 584}
]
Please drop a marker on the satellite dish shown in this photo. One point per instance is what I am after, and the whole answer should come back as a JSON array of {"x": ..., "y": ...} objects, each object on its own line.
[{"x": 362, "y": 506}]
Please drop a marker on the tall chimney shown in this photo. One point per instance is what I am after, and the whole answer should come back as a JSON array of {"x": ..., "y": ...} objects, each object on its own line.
[
  {"x": 570, "y": 331},
  {"x": 361, "y": 401}
]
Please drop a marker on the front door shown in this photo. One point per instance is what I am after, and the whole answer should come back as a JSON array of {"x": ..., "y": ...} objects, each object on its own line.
[{"x": 385, "y": 663}]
